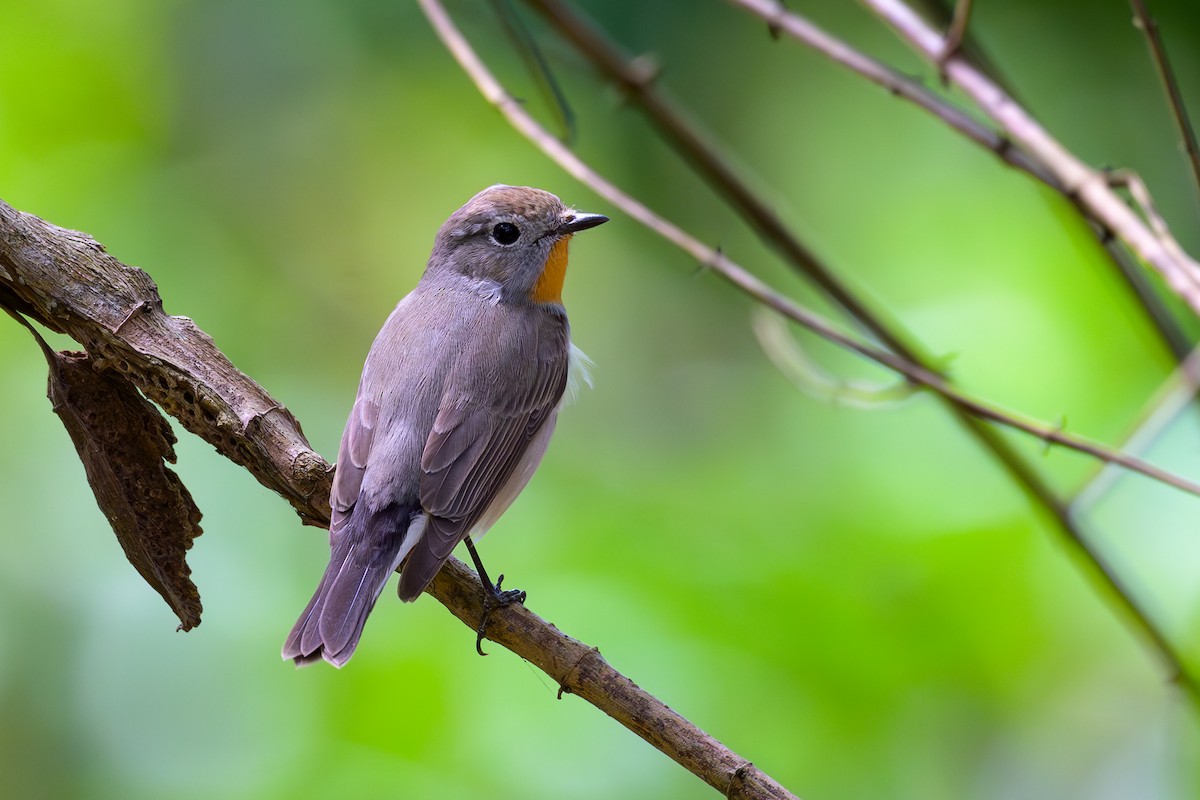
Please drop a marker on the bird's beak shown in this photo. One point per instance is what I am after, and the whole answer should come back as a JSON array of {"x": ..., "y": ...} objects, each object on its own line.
[{"x": 578, "y": 221}]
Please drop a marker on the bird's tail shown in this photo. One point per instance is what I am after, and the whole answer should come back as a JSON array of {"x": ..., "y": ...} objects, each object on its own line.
[{"x": 360, "y": 563}]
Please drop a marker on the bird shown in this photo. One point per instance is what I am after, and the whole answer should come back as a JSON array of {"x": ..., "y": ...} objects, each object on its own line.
[{"x": 457, "y": 402}]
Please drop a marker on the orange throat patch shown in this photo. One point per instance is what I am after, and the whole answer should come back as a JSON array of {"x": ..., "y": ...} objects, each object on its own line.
[{"x": 548, "y": 288}]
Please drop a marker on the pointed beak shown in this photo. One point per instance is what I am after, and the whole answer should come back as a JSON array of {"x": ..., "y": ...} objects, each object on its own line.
[{"x": 578, "y": 221}]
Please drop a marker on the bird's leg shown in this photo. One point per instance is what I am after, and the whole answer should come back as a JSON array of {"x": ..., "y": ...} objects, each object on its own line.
[{"x": 493, "y": 596}]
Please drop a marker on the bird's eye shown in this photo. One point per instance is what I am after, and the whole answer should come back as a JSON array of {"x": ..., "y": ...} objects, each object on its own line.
[{"x": 506, "y": 233}]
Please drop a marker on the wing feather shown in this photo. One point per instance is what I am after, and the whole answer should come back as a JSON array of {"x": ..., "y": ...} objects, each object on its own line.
[
  {"x": 473, "y": 449},
  {"x": 352, "y": 460}
]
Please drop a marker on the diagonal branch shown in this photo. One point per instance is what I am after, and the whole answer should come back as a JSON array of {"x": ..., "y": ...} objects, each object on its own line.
[
  {"x": 1090, "y": 187},
  {"x": 708, "y": 161},
  {"x": 1166, "y": 72},
  {"x": 1175, "y": 394},
  {"x": 1138, "y": 617},
  {"x": 761, "y": 292},
  {"x": 958, "y": 29},
  {"x": 780, "y": 19},
  {"x": 66, "y": 281},
  {"x": 581, "y": 670}
]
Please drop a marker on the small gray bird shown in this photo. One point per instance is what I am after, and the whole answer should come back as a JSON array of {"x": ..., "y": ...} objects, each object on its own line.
[{"x": 456, "y": 405}]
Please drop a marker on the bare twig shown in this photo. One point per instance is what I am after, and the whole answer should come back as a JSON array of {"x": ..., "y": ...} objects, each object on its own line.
[
  {"x": 802, "y": 30},
  {"x": 1176, "y": 393},
  {"x": 711, "y": 164},
  {"x": 1137, "y": 189},
  {"x": 520, "y": 119},
  {"x": 66, "y": 281},
  {"x": 1158, "y": 51},
  {"x": 949, "y": 13},
  {"x": 780, "y": 19},
  {"x": 1089, "y": 186},
  {"x": 535, "y": 62},
  {"x": 957, "y": 30}
]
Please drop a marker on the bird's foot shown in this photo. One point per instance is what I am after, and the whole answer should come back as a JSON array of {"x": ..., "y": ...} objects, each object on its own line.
[{"x": 493, "y": 598}]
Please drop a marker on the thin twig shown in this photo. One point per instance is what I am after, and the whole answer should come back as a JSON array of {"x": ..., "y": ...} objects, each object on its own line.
[
  {"x": 685, "y": 137},
  {"x": 780, "y": 19},
  {"x": 719, "y": 263},
  {"x": 711, "y": 165},
  {"x": 957, "y": 30},
  {"x": 945, "y": 12},
  {"x": 1176, "y": 393},
  {"x": 802, "y": 30},
  {"x": 535, "y": 61},
  {"x": 1090, "y": 186},
  {"x": 1158, "y": 51},
  {"x": 708, "y": 160},
  {"x": 836, "y": 50},
  {"x": 1138, "y": 190}
]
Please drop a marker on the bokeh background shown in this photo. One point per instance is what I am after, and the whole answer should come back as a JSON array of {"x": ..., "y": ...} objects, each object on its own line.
[{"x": 858, "y": 600}]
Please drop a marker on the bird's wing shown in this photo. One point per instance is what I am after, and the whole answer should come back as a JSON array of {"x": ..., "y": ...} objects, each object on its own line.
[
  {"x": 471, "y": 452},
  {"x": 352, "y": 460}
]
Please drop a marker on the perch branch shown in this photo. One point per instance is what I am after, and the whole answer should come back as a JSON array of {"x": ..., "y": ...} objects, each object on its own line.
[
  {"x": 524, "y": 123},
  {"x": 67, "y": 282},
  {"x": 580, "y": 669}
]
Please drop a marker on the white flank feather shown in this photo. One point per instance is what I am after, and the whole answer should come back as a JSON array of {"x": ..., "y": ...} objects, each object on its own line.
[{"x": 579, "y": 369}]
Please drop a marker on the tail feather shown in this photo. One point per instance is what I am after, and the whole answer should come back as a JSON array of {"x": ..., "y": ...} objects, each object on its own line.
[
  {"x": 364, "y": 555},
  {"x": 427, "y": 557}
]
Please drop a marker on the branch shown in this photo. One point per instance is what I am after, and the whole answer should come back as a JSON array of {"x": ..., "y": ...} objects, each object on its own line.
[
  {"x": 957, "y": 30},
  {"x": 711, "y": 164},
  {"x": 581, "y": 670},
  {"x": 780, "y": 19},
  {"x": 66, "y": 281},
  {"x": 1158, "y": 51},
  {"x": 727, "y": 269},
  {"x": 740, "y": 277},
  {"x": 1090, "y": 187},
  {"x": 1175, "y": 394}
]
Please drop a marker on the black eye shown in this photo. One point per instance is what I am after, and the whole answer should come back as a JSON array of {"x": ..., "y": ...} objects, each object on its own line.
[{"x": 506, "y": 233}]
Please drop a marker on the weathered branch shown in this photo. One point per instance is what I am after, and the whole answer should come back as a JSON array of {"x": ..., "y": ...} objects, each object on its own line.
[
  {"x": 580, "y": 669},
  {"x": 1104, "y": 574},
  {"x": 66, "y": 281}
]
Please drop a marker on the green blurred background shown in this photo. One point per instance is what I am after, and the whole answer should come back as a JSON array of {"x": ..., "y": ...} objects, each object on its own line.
[{"x": 859, "y": 601}]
